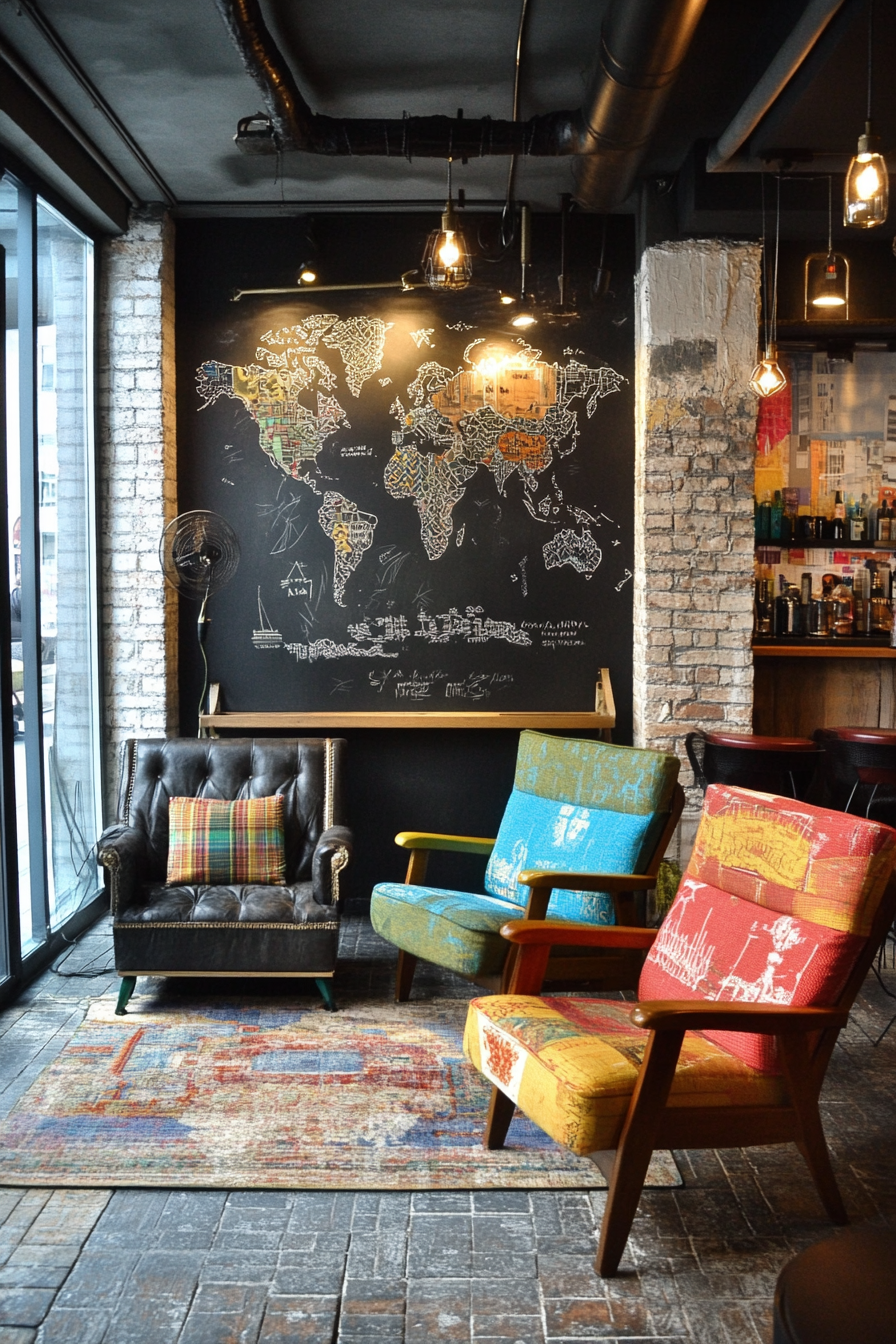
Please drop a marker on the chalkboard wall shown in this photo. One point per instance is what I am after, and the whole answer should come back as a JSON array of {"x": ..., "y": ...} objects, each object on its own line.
[{"x": 434, "y": 510}]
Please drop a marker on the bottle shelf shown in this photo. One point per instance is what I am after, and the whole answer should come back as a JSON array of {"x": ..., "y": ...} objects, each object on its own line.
[{"x": 889, "y": 546}]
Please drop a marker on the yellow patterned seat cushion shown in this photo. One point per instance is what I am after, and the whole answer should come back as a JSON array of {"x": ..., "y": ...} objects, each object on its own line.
[{"x": 571, "y": 1064}]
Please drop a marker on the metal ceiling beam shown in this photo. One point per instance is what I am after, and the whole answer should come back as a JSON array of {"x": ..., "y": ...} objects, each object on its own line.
[
  {"x": 52, "y": 38},
  {"x": 643, "y": 43},
  {"x": 723, "y": 155},
  {"x": 31, "y": 108}
]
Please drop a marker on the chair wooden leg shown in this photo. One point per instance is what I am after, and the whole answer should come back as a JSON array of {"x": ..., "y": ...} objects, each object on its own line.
[
  {"x": 407, "y": 965},
  {"x": 500, "y": 1114},
  {"x": 794, "y": 1053},
  {"x": 635, "y": 1147},
  {"x": 125, "y": 990}
]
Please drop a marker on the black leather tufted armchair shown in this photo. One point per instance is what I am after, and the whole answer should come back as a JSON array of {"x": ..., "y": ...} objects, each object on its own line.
[{"x": 289, "y": 930}]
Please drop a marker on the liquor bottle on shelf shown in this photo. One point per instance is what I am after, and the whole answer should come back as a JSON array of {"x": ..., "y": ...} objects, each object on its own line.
[
  {"x": 763, "y": 516},
  {"x": 881, "y": 615},
  {"x": 838, "y": 526},
  {"x": 884, "y": 523},
  {"x": 776, "y": 514},
  {"x": 858, "y": 524},
  {"x": 861, "y": 600}
]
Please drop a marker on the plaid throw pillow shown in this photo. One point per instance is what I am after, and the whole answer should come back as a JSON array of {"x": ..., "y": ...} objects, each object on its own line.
[{"x": 214, "y": 841}]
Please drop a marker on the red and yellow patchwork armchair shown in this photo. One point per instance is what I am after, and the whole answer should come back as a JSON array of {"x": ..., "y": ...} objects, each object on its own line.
[{"x": 744, "y": 991}]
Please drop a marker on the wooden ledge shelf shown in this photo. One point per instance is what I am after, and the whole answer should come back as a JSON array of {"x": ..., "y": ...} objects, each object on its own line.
[
  {"x": 408, "y": 719},
  {"x": 601, "y": 719},
  {"x": 822, "y": 651}
]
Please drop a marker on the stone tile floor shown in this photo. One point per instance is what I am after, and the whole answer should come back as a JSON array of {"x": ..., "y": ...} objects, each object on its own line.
[{"x": 254, "y": 1267}]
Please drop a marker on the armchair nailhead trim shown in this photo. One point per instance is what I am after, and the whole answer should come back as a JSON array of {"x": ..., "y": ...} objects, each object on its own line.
[
  {"x": 329, "y": 755},
  {"x": 143, "y": 925}
]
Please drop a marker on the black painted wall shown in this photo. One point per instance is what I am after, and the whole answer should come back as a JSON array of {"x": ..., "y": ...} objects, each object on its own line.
[{"x": 457, "y": 780}]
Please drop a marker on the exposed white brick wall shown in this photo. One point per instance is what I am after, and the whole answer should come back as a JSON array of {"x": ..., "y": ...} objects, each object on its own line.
[
  {"x": 696, "y": 311},
  {"x": 138, "y": 483}
]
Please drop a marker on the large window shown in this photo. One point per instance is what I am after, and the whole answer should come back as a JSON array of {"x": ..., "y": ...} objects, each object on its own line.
[{"x": 49, "y": 727}]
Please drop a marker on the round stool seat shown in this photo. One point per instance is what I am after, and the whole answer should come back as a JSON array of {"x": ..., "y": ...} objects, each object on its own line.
[
  {"x": 882, "y": 737},
  {"x": 754, "y": 742},
  {"x": 841, "y": 1291}
]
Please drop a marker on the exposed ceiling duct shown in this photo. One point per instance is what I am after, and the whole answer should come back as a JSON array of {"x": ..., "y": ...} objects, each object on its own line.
[{"x": 643, "y": 43}]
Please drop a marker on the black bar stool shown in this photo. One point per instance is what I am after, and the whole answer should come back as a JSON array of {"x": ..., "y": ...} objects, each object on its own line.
[
  {"x": 860, "y": 771},
  {"x": 840, "y": 1291},
  {"x": 782, "y": 765}
]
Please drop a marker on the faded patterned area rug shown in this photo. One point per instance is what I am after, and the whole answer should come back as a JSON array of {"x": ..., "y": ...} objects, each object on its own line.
[{"x": 377, "y": 1096}]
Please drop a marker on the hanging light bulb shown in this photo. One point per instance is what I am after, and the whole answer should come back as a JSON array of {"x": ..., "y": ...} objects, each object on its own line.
[
  {"x": 827, "y": 279},
  {"x": 446, "y": 260},
  {"x": 867, "y": 189},
  {"x": 867, "y": 186},
  {"x": 768, "y": 377}
]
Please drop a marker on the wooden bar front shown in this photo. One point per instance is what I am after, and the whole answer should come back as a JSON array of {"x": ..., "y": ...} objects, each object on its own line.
[{"x": 799, "y": 689}]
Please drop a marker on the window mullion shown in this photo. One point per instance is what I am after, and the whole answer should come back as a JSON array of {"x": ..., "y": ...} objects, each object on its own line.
[{"x": 30, "y": 543}]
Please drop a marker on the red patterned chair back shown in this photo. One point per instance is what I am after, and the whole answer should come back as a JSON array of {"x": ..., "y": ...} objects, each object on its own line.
[{"x": 776, "y": 904}]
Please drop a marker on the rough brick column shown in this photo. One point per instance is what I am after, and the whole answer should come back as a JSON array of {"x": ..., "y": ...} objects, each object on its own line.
[
  {"x": 696, "y": 312},
  {"x": 138, "y": 483}
]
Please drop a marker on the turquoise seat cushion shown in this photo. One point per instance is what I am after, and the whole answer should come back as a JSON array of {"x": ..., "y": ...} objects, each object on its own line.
[
  {"x": 579, "y": 806},
  {"x": 457, "y": 929}
]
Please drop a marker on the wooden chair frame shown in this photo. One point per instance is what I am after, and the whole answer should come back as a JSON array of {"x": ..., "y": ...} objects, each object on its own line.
[
  {"x": 805, "y": 1038},
  {"x": 623, "y": 886}
]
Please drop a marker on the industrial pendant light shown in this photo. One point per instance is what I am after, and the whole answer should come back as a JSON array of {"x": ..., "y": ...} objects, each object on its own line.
[
  {"x": 525, "y": 315},
  {"x": 768, "y": 377},
  {"x": 866, "y": 190},
  {"x": 446, "y": 261},
  {"x": 827, "y": 279}
]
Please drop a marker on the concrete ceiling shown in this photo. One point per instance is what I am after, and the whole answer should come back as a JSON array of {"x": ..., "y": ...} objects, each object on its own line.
[{"x": 175, "y": 87}]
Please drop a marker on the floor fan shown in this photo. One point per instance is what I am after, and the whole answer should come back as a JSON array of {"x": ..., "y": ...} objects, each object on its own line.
[{"x": 199, "y": 553}]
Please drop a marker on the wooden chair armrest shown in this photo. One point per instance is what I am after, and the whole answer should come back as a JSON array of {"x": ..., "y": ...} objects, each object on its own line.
[
  {"x": 464, "y": 844},
  {"x": 771, "y": 1018},
  {"x": 536, "y": 937},
  {"x": 537, "y": 878},
  {"x": 565, "y": 933}
]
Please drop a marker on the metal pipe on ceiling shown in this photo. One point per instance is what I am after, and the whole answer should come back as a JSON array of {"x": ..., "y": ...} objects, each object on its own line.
[
  {"x": 642, "y": 48},
  {"x": 643, "y": 43}
]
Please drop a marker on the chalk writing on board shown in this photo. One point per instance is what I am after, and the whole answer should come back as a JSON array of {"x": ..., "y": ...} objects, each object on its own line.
[
  {"x": 420, "y": 685},
  {"x": 351, "y": 532},
  {"x": 580, "y": 551},
  {"x": 297, "y": 582},
  {"x": 422, "y": 336},
  {"x": 328, "y": 648},
  {"x": 622, "y": 582},
  {"x": 472, "y": 627},
  {"x": 265, "y": 637},
  {"x": 356, "y": 450},
  {"x": 558, "y": 634}
]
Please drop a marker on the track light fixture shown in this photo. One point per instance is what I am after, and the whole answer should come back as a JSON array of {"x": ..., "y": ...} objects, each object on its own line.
[{"x": 526, "y": 315}]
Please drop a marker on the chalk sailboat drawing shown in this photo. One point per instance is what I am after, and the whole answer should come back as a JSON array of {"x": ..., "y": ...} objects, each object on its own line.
[{"x": 265, "y": 637}]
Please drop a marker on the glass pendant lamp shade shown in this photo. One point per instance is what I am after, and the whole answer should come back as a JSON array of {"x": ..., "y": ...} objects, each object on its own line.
[
  {"x": 866, "y": 192},
  {"x": 827, "y": 286},
  {"x": 768, "y": 377},
  {"x": 446, "y": 261}
]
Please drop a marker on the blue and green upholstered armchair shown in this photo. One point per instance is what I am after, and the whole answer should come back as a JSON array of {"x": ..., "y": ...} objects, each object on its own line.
[{"x": 584, "y": 831}]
